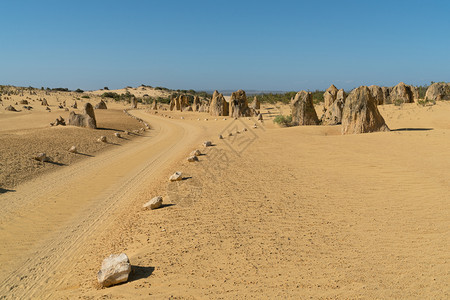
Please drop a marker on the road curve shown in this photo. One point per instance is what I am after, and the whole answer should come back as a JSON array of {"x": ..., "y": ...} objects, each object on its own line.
[{"x": 45, "y": 221}]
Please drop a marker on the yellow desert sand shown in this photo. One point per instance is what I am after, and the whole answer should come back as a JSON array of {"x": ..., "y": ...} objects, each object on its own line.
[{"x": 269, "y": 212}]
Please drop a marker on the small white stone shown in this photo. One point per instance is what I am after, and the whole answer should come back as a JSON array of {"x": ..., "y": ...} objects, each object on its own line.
[
  {"x": 155, "y": 203},
  {"x": 176, "y": 176},
  {"x": 73, "y": 149},
  {"x": 192, "y": 158},
  {"x": 196, "y": 153}
]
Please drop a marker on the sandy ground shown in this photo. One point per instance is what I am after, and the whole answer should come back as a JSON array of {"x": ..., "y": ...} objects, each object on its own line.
[
  {"x": 138, "y": 92},
  {"x": 25, "y": 133},
  {"x": 299, "y": 212}
]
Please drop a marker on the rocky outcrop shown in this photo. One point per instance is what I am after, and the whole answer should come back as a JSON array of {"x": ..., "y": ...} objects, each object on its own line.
[
  {"x": 101, "y": 105},
  {"x": 386, "y": 92},
  {"x": 377, "y": 94},
  {"x": 155, "y": 105},
  {"x": 302, "y": 108},
  {"x": 115, "y": 269},
  {"x": 134, "y": 102},
  {"x": 184, "y": 101},
  {"x": 330, "y": 96},
  {"x": 196, "y": 103},
  {"x": 44, "y": 102},
  {"x": 401, "y": 93},
  {"x": 438, "y": 91},
  {"x": 218, "y": 106},
  {"x": 360, "y": 114},
  {"x": 333, "y": 114},
  {"x": 415, "y": 93},
  {"x": 58, "y": 121},
  {"x": 10, "y": 108},
  {"x": 204, "y": 107},
  {"x": 172, "y": 104},
  {"x": 85, "y": 119},
  {"x": 238, "y": 105},
  {"x": 255, "y": 104}
]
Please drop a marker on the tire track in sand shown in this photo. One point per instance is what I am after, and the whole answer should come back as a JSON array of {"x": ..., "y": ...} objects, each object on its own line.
[{"x": 39, "y": 235}]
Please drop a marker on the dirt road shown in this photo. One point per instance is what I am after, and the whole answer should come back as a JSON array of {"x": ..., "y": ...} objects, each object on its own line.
[{"x": 45, "y": 222}]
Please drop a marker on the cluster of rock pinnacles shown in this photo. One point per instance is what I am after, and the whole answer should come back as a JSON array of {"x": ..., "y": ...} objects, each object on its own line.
[
  {"x": 357, "y": 112},
  {"x": 237, "y": 106}
]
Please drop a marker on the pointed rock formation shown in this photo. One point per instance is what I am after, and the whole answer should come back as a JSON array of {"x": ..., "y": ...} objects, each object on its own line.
[
  {"x": 438, "y": 91},
  {"x": 218, "y": 106},
  {"x": 330, "y": 96},
  {"x": 239, "y": 105},
  {"x": 386, "y": 91},
  {"x": 10, "y": 108},
  {"x": 85, "y": 119},
  {"x": 401, "y": 93},
  {"x": 155, "y": 105},
  {"x": 333, "y": 114},
  {"x": 377, "y": 94},
  {"x": 134, "y": 102},
  {"x": 172, "y": 104},
  {"x": 303, "y": 112},
  {"x": 204, "y": 106},
  {"x": 360, "y": 114},
  {"x": 196, "y": 103},
  {"x": 255, "y": 103},
  {"x": 101, "y": 105}
]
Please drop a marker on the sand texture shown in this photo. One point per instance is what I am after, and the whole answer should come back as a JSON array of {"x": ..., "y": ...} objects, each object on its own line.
[{"x": 299, "y": 212}]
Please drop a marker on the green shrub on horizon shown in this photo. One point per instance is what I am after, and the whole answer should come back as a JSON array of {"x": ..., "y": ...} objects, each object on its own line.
[
  {"x": 283, "y": 120},
  {"x": 286, "y": 97},
  {"x": 398, "y": 102},
  {"x": 426, "y": 102}
]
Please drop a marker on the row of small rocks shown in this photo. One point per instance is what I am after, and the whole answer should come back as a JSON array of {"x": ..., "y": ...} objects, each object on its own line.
[
  {"x": 116, "y": 268},
  {"x": 89, "y": 118}
]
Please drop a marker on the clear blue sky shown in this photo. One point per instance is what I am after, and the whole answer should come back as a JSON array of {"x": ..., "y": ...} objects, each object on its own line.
[{"x": 205, "y": 45}]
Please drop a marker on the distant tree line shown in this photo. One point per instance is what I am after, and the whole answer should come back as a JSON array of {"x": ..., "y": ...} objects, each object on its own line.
[{"x": 286, "y": 97}]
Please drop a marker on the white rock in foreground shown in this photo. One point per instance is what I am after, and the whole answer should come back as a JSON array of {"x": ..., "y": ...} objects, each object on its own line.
[
  {"x": 175, "y": 176},
  {"x": 102, "y": 139},
  {"x": 115, "y": 269},
  {"x": 155, "y": 203}
]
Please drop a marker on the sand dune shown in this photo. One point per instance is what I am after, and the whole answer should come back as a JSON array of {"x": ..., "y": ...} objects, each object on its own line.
[{"x": 268, "y": 213}]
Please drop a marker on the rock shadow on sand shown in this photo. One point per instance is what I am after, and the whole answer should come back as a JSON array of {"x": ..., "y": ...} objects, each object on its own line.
[
  {"x": 412, "y": 129},
  {"x": 4, "y": 191},
  {"x": 56, "y": 163},
  {"x": 138, "y": 272}
]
